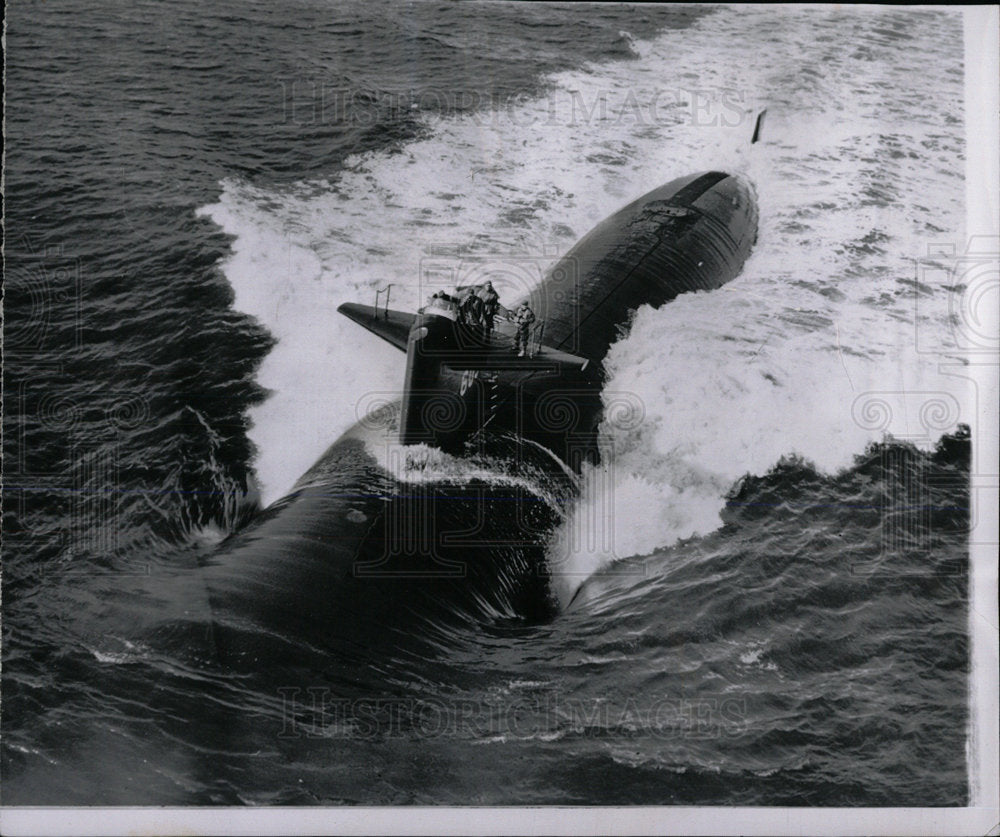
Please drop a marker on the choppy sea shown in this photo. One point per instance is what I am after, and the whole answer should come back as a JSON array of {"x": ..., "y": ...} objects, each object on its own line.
[{"x": 773, "y": 606}]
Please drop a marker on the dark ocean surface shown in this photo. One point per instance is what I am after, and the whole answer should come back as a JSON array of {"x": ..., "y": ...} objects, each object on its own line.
[{"x": 775, "y": 614}]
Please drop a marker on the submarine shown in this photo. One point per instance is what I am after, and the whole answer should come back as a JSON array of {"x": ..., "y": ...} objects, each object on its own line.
[
  {"x": 691, "y": 234},
  {"x": 357, "y": 555}
]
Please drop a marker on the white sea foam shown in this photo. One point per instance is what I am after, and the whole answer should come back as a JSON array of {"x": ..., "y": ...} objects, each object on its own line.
[
  {"x": 814, "y": 350},
  {"x": 819, "y": 347},
  {"x": 422, "y": 464}
]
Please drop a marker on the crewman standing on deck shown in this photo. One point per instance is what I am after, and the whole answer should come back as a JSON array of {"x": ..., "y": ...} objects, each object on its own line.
[
  {"x": 491, "y": 301},
  {"x": 523, "y": 318},
  {"x": 471, "y": 309}
]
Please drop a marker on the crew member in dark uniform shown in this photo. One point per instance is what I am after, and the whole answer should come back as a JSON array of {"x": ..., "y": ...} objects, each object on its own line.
[
  {"x": 490, "y": 301},
  {"x": 472, "y": 309},
  {"x": 523, "y": 318}
]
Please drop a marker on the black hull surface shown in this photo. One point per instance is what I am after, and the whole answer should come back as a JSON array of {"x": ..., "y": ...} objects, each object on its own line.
[
  {"x": 692, "y": 234},
  {"x": 354, "y": 558}
]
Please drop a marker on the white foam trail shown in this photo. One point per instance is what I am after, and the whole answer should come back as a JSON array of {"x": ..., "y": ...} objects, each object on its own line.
[
  {"x": 820, "y": 346},
  {"x": 720, "y": 401},
  {"x": 858, "y": 172},
  {"x": 817, "y": 348},
  {"x": 509, "y": 191},
  {"x": 284, "y": 273}
]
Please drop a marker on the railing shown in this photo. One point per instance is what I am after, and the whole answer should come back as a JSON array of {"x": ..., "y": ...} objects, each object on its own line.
[{"x": 378, "y": 292}]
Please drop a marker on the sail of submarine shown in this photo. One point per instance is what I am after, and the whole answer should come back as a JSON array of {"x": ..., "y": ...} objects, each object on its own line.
[{"x": 693, "y": 233}]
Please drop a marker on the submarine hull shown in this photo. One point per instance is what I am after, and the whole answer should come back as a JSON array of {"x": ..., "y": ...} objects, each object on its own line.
[
  {"x": 358, "y": 555},
  {"x": 692, "y": 234}
]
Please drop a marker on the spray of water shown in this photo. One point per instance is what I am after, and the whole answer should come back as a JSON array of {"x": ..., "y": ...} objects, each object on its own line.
[{"x": 813, "y": 350}]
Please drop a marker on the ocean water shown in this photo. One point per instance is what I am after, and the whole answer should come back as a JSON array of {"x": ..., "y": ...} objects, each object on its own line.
[{"x": 761, "y": 593}]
